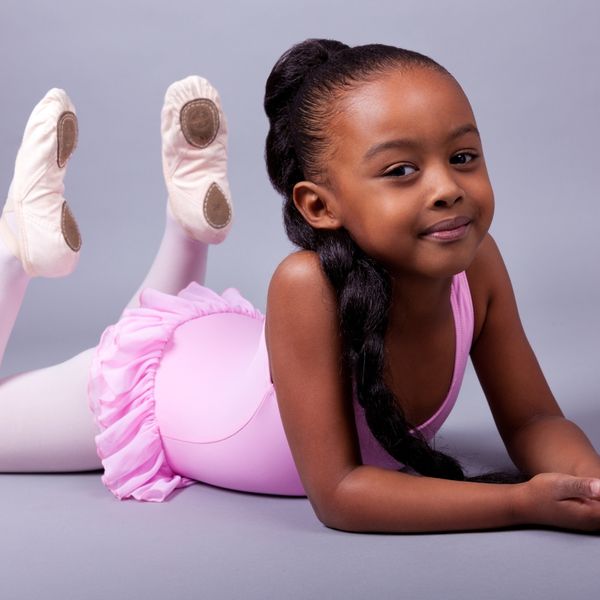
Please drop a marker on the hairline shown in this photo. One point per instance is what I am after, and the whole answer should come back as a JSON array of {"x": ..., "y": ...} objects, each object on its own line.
[{"x": 345, "y": 87}]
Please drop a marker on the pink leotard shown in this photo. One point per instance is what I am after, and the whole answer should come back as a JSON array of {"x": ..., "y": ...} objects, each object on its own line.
[{"x": 181, "y": 391}]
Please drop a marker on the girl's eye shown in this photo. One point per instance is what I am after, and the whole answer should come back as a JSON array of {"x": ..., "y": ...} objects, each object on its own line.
[
  {"x": 465, "y": 155},
  {"x": 399, "y": 171}
]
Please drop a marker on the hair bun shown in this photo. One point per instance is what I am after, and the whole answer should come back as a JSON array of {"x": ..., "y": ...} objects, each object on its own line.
[
  {"x": 292, "y": 68},
  {"x": 282, "y": 86}
]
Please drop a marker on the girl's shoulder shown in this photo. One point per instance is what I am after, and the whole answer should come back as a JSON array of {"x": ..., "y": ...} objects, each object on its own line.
[
  {"x": 488, "y": 281},
  {"x": 301, "y": 316},
  {"x": 301, "y": 263},
  {"x": 299, "y": 285}
]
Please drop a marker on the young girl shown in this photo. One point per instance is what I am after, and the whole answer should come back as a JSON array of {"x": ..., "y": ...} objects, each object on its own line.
[{"x": 377, "y": 155}]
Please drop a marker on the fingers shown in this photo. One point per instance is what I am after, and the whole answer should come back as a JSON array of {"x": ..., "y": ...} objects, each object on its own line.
[{"x": 581, "y": 487}]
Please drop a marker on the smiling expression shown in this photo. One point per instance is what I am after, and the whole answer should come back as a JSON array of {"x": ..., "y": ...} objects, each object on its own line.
[{"x": 406, "y": 157}]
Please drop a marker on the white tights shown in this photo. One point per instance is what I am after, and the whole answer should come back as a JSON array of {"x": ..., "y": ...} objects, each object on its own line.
[{"x": 45, "y": 422}]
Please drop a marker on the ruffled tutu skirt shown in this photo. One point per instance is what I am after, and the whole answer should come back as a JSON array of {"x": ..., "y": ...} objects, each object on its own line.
[{"x": 181, "y": 392}]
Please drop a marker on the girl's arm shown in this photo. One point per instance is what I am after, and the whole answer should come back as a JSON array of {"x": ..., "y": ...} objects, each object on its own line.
[
  {"x": 537, "y": 435},
  {"x": 317, "y": 415}
]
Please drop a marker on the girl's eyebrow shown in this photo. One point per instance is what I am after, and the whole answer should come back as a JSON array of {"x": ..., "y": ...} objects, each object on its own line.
[{"x": 411, "y": 143}]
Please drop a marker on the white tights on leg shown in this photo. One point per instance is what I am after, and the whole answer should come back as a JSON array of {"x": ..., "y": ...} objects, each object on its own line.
[
  {"x": 179, "y": 261},
  {"x": 13, "y": 285},
  {"x": 45, "y": 422}
]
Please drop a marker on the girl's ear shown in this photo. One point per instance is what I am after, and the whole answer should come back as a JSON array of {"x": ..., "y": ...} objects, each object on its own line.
[{"x": 317, "y": 205}]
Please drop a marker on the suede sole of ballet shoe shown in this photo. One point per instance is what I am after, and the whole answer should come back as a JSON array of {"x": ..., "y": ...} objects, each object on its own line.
[
  {"x": 217, "y": 211},
  {"x": 67, "y": 134},
  {"x": 69, "y": 228},
  {"x": 199, "y": 120}
]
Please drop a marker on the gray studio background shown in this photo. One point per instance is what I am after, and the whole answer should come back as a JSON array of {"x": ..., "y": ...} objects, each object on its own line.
[{"x": 531, "y": 71}]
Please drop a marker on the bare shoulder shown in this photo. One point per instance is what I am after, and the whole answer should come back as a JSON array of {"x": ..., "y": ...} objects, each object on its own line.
[
  {"x": 487, "y": 276},
  {"x": 301, "y": 304},
  {"x": 300, "y": 269},
  {"x": 504, "y": 361},
  {"x": 300, "y": 290}
]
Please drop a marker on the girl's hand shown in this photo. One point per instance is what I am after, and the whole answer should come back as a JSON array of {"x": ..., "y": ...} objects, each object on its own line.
[{"x": 561, "y": 500}]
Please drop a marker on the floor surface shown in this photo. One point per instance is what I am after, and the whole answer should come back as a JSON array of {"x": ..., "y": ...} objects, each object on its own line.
[{"x": 66, "y": 536}]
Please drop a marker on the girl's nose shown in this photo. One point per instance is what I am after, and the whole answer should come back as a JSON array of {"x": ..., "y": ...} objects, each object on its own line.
[{"x": 445, "y": 190}]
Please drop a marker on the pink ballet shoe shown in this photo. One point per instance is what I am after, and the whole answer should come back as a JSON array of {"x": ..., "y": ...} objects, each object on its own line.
[
  {"x": 36, "y": 223},
  {"x": 194, "y": 153}
]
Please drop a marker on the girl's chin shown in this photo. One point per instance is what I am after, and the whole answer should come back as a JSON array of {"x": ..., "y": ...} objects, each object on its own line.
[{"x": 439, "y": 262}]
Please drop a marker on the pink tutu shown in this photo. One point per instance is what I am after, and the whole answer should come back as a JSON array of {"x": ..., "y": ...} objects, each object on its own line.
[{"x": 121, "y": 387}]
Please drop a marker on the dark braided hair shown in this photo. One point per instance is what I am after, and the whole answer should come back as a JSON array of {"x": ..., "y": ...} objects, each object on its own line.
[{"x": 300, "y": 98}]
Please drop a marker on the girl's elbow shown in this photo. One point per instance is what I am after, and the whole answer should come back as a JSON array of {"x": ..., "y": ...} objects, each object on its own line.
[
  {"x": 335, "y": 511},
  {"x": 324, "y": 510},
  {"x": 334, "y": 517}
]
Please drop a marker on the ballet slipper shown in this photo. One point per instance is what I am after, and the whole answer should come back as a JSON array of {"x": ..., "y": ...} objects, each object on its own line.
[
  {"x": 194, "y": 158},
  {"x": 36, "y": 223}
]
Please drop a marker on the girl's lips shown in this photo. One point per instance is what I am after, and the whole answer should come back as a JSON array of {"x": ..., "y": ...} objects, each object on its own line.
[
  {"x": 448, "y": 229},
  {"x": 449, "y": 234}
]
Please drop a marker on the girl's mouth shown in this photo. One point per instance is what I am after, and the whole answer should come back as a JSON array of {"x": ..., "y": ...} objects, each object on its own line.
[{"x": 448, "y": 229}]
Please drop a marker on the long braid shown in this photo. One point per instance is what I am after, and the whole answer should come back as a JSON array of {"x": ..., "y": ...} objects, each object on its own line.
[{"x": 363, "y": 289}]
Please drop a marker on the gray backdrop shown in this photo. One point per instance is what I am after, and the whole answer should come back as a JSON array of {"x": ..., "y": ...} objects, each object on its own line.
[{"x": 531, "y": 71}]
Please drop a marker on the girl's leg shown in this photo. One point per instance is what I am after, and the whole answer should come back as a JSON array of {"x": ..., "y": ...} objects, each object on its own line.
[
  {"x": 13, "y": 285},
  {"x": 45, "y": 423},
  {"x": 179, "y": 260},
  {"x": 199, "y": 211},
  {"x": 38, "y": 233}
]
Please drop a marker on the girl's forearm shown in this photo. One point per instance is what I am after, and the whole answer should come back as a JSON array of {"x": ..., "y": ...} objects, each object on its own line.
[
  {"x": 380, "y": 500},
  {"x": 553, "y": 445}
]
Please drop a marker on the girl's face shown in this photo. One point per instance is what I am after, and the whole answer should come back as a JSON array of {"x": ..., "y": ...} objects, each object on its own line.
[{"x": 406, "y": 156}]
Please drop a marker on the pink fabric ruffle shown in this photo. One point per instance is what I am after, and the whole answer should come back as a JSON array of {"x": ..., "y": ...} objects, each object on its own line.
[{"x": 121, "y": 387}]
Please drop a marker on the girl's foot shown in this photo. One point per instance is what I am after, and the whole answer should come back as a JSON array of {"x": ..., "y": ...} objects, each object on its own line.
[
  {"x": 194, "y": 152},
  {"x": 36, "y": 223}
]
